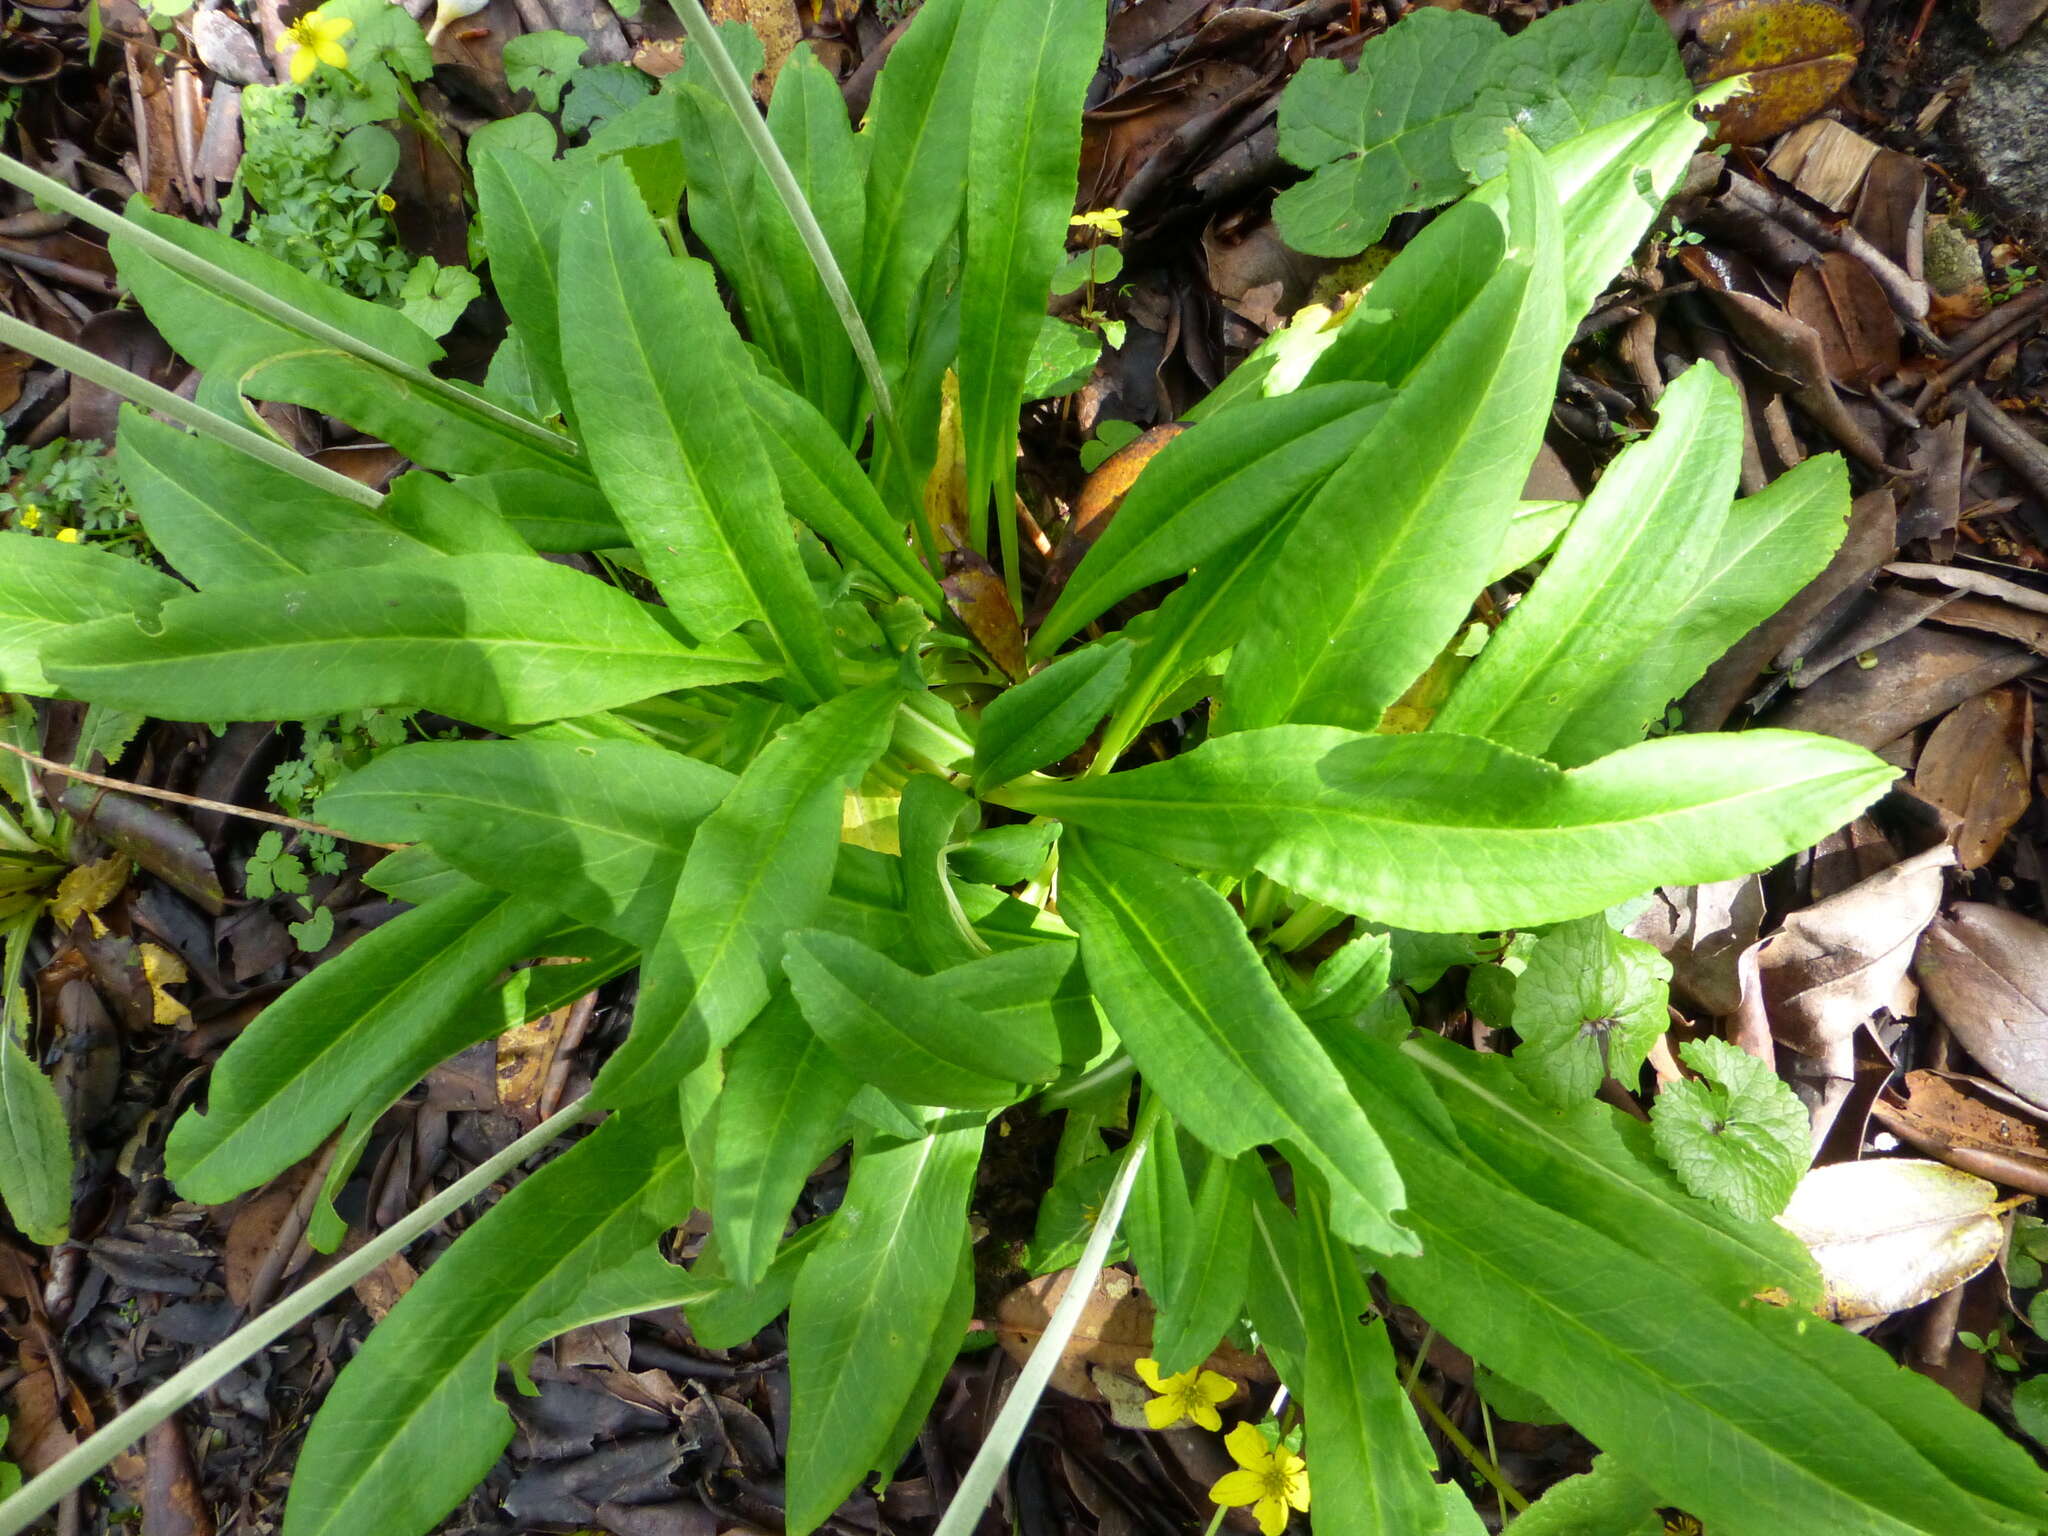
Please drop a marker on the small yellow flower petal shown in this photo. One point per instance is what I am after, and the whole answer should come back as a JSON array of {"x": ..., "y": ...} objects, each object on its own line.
[
  {"x": 1240, "y": 1487},
  {"x": 1164, "y": 1412},
  {"x": 303, "y": 65},
  {"x": 1215, "y": 1387},
  {"x": 67, "y": 536},
  {"x": 1204, "y": 1416},
  {"x": 30, "y": 515},
  {"x": 1272, "y": 1513},
  {"x": 1148, "y": 1373},
  {"x": 1247, "y": 1448},
  {"x": 1297, "y": 1483},
  {"x": 331, "y": 53}
]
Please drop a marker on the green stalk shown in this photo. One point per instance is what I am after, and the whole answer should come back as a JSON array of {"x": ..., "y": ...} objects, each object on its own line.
[
  {"x": 85, "y": 210},
  {"x": 97, "y": 370},
  {"x": 42, "y": 1492},
  {"x": 979, "y": 1485},
  {"x": 726, "y": 76}
]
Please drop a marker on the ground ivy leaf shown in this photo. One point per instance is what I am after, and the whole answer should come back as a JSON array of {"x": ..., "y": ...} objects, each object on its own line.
[
  {"x": 1740, "y": 1138},
  {"x": 542, "y": 62},
  {"x": 1379, "y": 137},
  {"x": 1589, "y": 1006}
]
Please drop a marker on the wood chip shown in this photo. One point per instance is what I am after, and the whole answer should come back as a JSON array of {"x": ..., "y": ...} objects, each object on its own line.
[{"x": 1824, "y": 160}]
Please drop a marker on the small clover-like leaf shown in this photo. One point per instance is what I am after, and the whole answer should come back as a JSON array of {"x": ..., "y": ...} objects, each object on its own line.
[
  {"x": 1589, "y": 1006},
  {"x": 1739, "y": 1138},
  {"x": 315, "y": 933}
]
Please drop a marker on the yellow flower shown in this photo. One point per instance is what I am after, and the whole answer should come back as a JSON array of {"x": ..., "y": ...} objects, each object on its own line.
[
  {"x": 1269, "y": 1478},
  {"x": 314, "y": 40},
  {"x": 1109, "y": 220},
  {"x": 386, "y": 201},
  {"x": 30, "y": 515},
  {"x": 1189, "y": 1395},
  {"x": 67, "y": 535}
]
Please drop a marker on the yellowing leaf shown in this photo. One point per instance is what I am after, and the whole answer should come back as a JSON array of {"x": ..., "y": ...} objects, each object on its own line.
[
  {"x": 87, "y": 888},
  {"x": 162, "y": 969},
  {"x": 1891, "y": 1233}
]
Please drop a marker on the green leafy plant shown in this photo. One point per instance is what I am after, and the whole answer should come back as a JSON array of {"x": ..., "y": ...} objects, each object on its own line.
[
  {"x": 69, "y": 490},
  {"x": 888, "y": 865}
]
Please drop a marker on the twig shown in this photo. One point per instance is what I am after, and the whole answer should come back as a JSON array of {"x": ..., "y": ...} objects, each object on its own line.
[
  {"x": 1907, "y": 293},
  {"x": 2024, "y": 455},
  {"x": 122, "y": 787},
  {"x": 1978, "y": 342}
]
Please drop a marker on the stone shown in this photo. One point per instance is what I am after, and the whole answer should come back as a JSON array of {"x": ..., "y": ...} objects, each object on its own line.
[{"x": 2002, "y": 125}]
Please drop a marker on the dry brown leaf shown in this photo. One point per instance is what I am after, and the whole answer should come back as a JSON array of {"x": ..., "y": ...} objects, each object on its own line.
[
  {"x": 1833, "y": 965},
  {"x": 1985, "y": 971},
  {"x": 1115, "y": 1332},
  {"x": 1848, "y": 311},
  {"x": 1890, "y": 1233},
  {"x": 976, "y": 595},
  {"x": 1904, "y": 683},
  {"x": 1975, "y": 766},
  {"x": 1797, "y": 54},
  {"x": 163, "y": 969},
  {"x": 254, "y": 1232},
  {"x": 1101, "y": 494},
  {"x": 1970, "y": 1124},
  {"x": 1702, "y": 930}
]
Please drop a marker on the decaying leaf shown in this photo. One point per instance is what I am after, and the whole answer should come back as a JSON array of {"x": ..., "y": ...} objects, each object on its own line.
[
  {"x": 1970, "y": 1124},
  {"x": 1100, "y": 497},
  {"x": 1797, "y": 54},
  {"x": 1115, "y": 1332},
  {"x": 162, "y": 969},
  {"x": 1890, "y": 1233},
  {"x": 975, "y": 594},
  {"x": 945, "y": 488},
  {"x": 1985, "y": 971},
  {"x": 1975, "y": 766},
  {"x": 1833, "y": 965},
  {"x": 86, "y": 889},
  {"x": 1845, "y": 307},
  {"x": 1702, "y": 930}
]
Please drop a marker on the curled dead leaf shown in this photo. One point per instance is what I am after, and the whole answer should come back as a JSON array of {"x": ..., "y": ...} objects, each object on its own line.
[
  {"x": 1970, "y": 1124},
  {"x": 1115, "y": 1332},
  {"x": 1890, "y": 1233},
  {"x": 1843, "y": 304},
  {"x": 1985, "y": 970},
  {"x": 1975, "y": 766}
]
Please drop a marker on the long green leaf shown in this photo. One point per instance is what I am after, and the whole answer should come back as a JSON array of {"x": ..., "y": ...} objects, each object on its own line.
[
  {"x": 649, "y": 355},
  {"x": 1450, "y": 834},
  {"x": 1208, "y": 1270},
  {"x": 1023, "y": 153},
  {"x": 597, "y": 830},
  {"x": 779, "y": 1113},
  {"x": 1635, "y": 551},
  {"x": 1381, "y": 568},
  {"x": 1373, "y": 1466},
  {"x": 1050, "y": 715},
  {"x": 1186, "y": 992},
  {"x": 48, "y": 589},
  {"x": 35, "y": 1148},
  {"x": 1772, "y": 544},
  {"x": 1740, "y": 1415},
  {"x": 903, "y": 1033},
  {"x": 412, "y": 1424},
  {"x": 760, "y": 865},
  {"x": 224, "y": 519},
  {"x": 917, "y": 167},
  {"x": 495, "y": 639},
  {"x": 1210, "y": 488},
  {"x": 866, "y": 1305},
  {"x": 394, "y": 997},
  {"x": 522, "y": 202}
]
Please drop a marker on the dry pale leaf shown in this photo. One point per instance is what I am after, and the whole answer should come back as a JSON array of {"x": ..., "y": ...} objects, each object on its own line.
[
  {"x": 1975, "y": 767},
  {"x": 1832, "y": 966},
  {"x": 1970, "y": 1124},
  {"x": 83, "y": 891},
  {"x": 1985, "y": 971},
  {"x": 1115, "y": 1332},
  {"x": 1702, "y": 930},
  {"x": 1890, "y": 1233}
]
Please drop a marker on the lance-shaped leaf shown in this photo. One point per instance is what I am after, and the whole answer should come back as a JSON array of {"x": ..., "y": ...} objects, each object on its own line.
[
  {"x": 917, "y": 164},
  {"x": 496, "y": 639},
  {"x": 867, "y": 1302},
  {"x": 594, "y": 829},
  {"x": 1380, "y": 570},
  {"x": 1209, "y": 488},
  {"x": 779, "y": 1113},
  {"x": 930, "y": 812},
  {"x": 1374, "y": 1469},
  {"x": 1635, "y": 551},
  {"x": 1208, "y": 1269},
  {"x": 394, "y": 999},
  {"x": 522, "y": 201},
  {"x": 1770, "y": 545},
  {"x": 760, "y": 865},
  {"x": 1189, "y": 997},
  {"x": 1449, "y": 834},
  {"x": 824, "y": 485},
  {"x": 1023, "y": 151},
  {"x": 906, "y": 1035},
  {"x": 35, "y": 1148},
  {"x": 1738, "y": 1416},
  {"x": 222, "y": 518},
  {"x": 1050, "y": 715},
  {"x": 650, "y": 356},
  {"x": 47, "y": 588},
  {"x": 412, "y": 1424}
]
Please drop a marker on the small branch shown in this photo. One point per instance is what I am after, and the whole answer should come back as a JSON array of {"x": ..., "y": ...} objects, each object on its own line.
[{"x": 122, "y": 787}]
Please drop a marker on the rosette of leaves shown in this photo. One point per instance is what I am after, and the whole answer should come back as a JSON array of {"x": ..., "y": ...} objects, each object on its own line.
[{"x": 685, "y": 768}]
